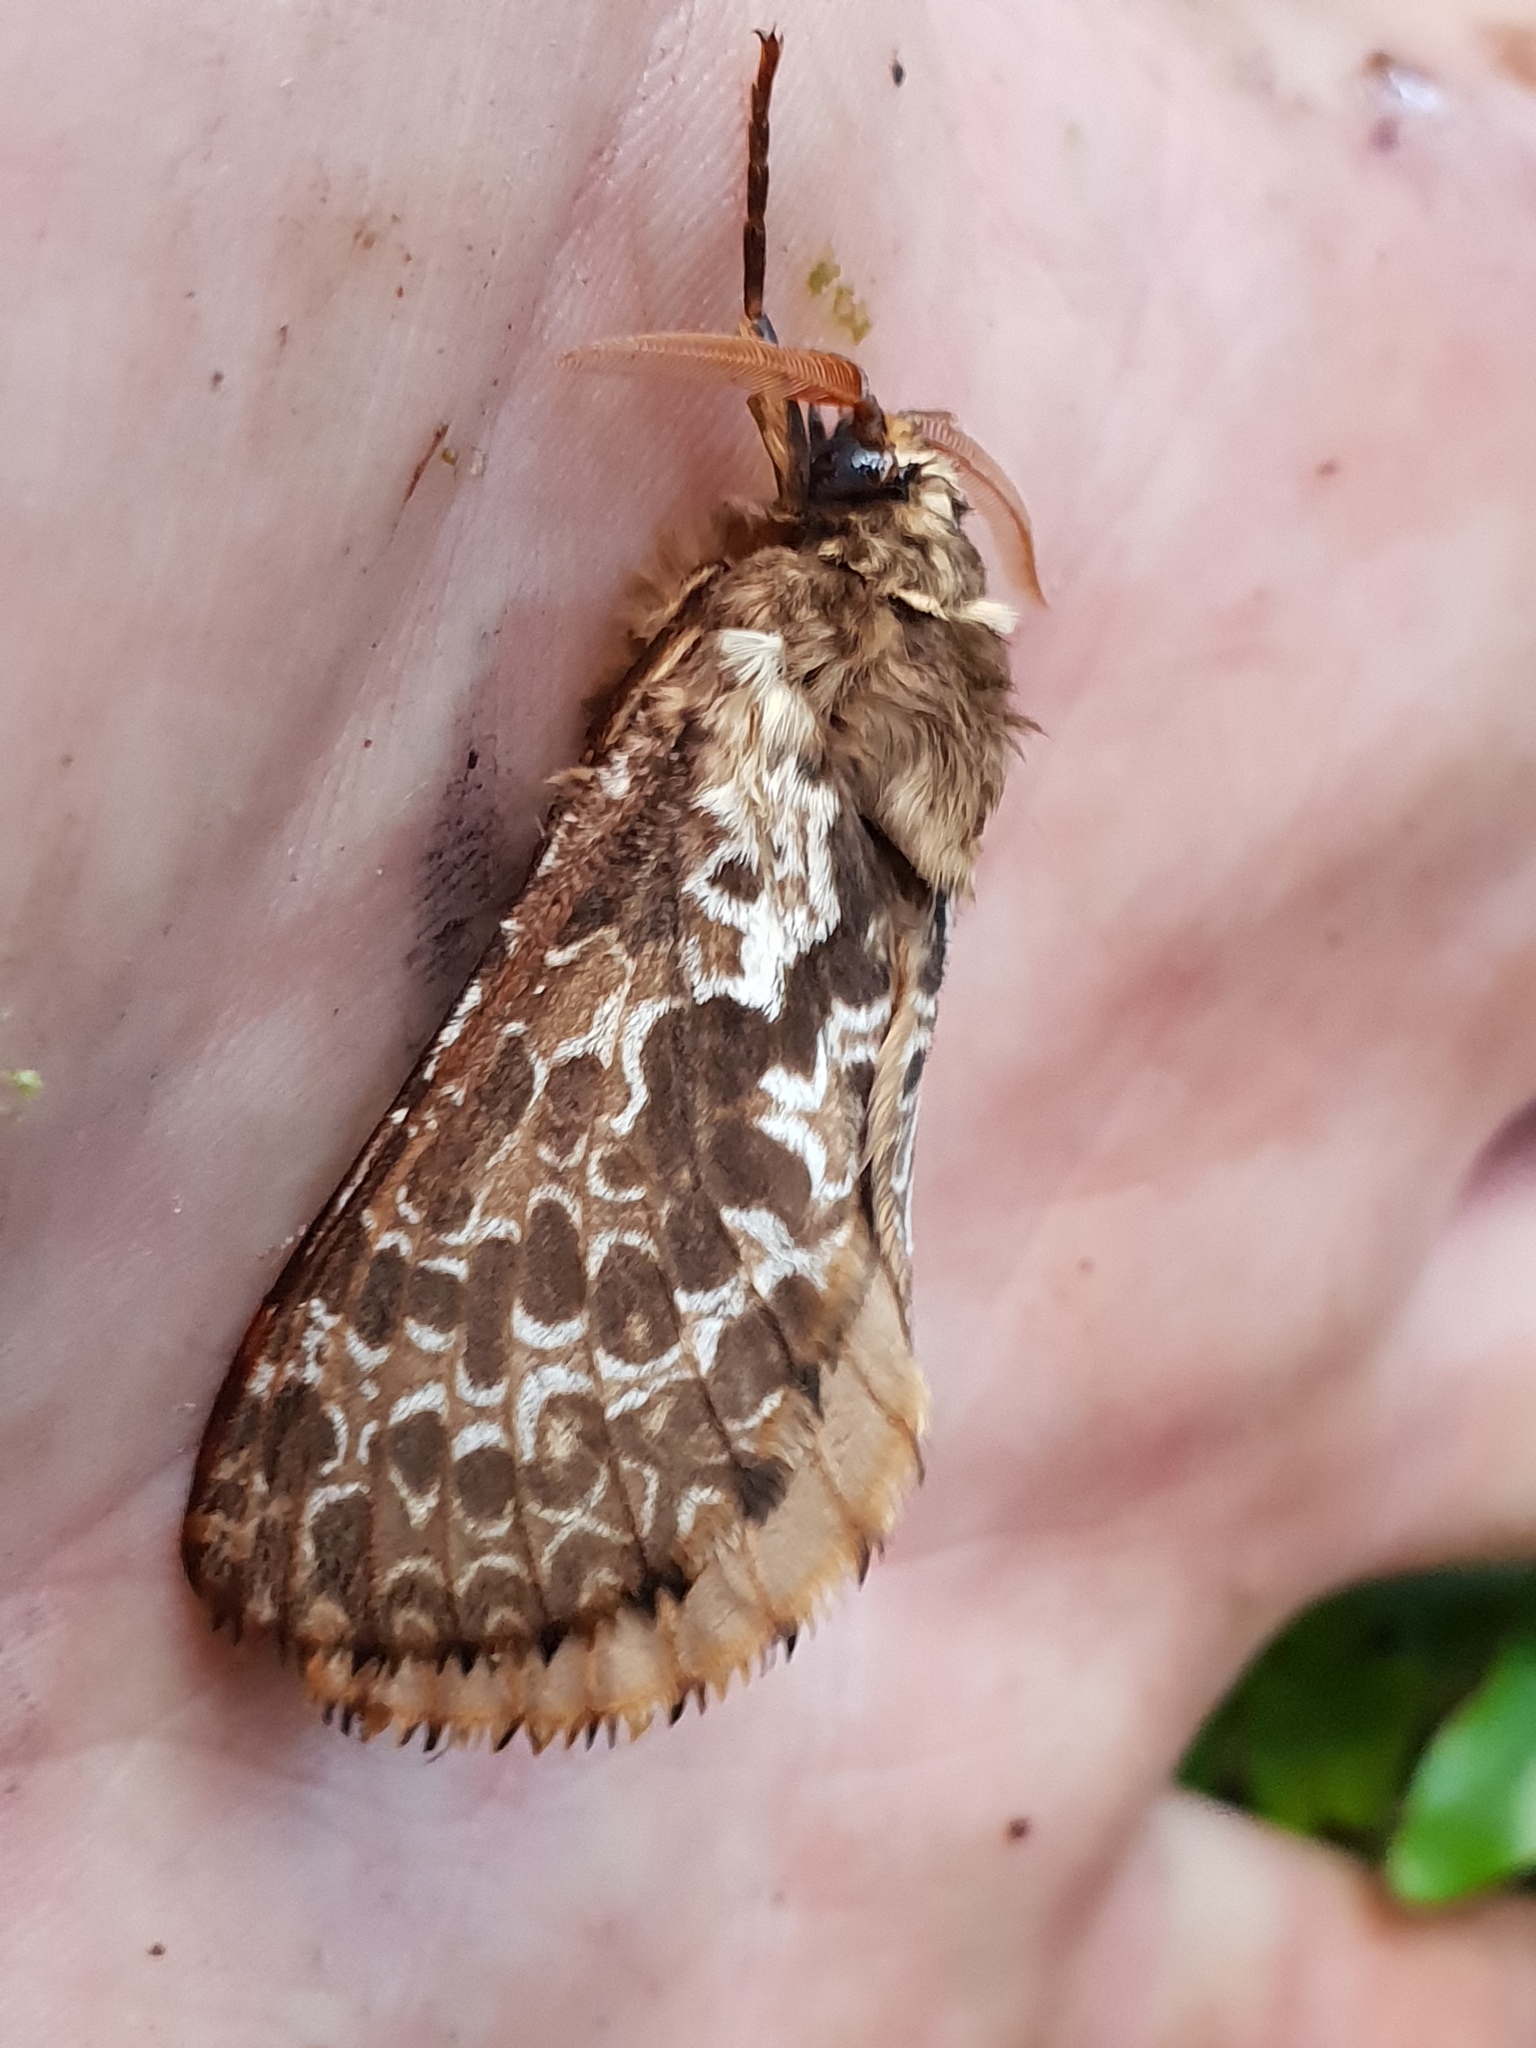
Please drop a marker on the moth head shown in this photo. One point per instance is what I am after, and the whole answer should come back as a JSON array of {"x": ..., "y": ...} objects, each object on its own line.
[
  {"x": 925, "y": 459},
  {"x": 857, "y": 463},
  {"x": 868, "y": 455},
  {"x": 947, "y": 470}
]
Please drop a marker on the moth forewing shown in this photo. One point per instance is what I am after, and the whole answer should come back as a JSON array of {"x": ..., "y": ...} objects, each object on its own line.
[{"x": 594, "y": 1380}]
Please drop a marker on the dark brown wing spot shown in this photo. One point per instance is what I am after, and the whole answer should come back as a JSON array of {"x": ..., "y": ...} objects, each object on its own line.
[
  {"x": 507, "y": 1089},
  {"x": 343, "y": 1535},
  {"x": 734, "y": 878},
  {"x": 298, "y": 1439},
  {"x": 855, "y": 970},
  {"x": 487, "y": 1321},
  {"x": 663, "y": 1123},
  {"x": 587, "y": 1578},
  {"x": 732, "y": 1048},
  {"x": 379, "y": 1301},
  {"x": 593, "y": 912},
  {"x": 750, "y": 1170},
  {"x": 552, "y": 1287},
  {"x": 583, "y": 1569},
  {"x": 570, "y": 1096},
  {"x": 750, "y": 1364},
  {"x": 632, "y": 1310},
  {"x": 500, "y": 1606},
  {"x": 486, "y": 1480},
  {"x": 434, "y": 1298},
  {"x": 914, "y": 1073},
  {"x": 441, "y": 1180},
  {"x": 445, "y": 1205},
  {"x": 620, "y": 1168},
  {"x": 931, "y": 978},
  {"x": 801, "y": 1314},
  {"x": 695, "y": 1242},
  {"x": 675, "y": 1439},
  {"x": 670, "y": 1579},
  {"x": 418, "y": 1448},
  {"x": 645, "y": 913},
  {"x": 805, "y": 1011},
  {"x": 417, "y": 1613},
  {"x": 569, "y": 1450},
  {"x": 760, "y": 1484},
  {"x": 865, "y": 865},
  {"x": 805, "y": 1324}
]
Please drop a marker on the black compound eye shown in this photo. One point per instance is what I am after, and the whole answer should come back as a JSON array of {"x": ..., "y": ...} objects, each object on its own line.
[{"x": 844, "y": 468}]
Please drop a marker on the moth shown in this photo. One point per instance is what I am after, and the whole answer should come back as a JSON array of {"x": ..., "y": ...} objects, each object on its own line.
[{"x": 594, "y": 1379}]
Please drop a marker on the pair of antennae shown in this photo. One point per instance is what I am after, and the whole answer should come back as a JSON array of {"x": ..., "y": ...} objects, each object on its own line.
[
  {"x": 752, "y": 358},
  {"x": 753, "y": 361}
]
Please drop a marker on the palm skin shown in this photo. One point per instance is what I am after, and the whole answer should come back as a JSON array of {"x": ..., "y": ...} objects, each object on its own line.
[{"x": 1223, "y": 1295}]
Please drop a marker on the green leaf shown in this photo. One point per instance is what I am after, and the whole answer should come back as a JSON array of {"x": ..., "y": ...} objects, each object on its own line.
[
  {"x": 1332, "y": 1747},
  {"x": 1469, "y": 1819},
  {"x": 1321, "y": 1732}
]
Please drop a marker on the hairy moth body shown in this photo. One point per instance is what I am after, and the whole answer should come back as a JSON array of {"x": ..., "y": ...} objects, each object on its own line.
[{"x": 594, "y": 1379}]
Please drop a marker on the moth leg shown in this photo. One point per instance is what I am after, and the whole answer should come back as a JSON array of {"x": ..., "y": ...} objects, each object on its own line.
[{"x": 782, "y": 426}]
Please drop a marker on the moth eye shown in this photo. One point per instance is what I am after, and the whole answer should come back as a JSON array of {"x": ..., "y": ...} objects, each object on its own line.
[{"x": 845, "y": 470}]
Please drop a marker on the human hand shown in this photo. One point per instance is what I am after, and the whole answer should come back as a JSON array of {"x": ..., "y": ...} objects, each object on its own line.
[{"x": 1218, "y": 1306}]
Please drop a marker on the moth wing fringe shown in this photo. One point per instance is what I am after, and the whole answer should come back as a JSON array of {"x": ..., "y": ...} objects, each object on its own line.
[{"x": 752, "y": 1598}]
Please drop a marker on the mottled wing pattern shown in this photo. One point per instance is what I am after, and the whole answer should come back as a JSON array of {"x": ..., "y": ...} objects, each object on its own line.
[
  {"x": 919, "y": 956},
  {"x": 594, "y": 1379}
]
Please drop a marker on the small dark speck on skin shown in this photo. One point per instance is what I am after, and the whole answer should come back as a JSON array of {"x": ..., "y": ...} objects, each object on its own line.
[
  {"x": 216, "y": 380},
  {"x": 439, "y": 435},
  {"x": 898, "y": 71},
  {"x": 473, "y": 762},
  {"x": 157, "y": 1948},
  {"x": 1384, "y": 134},
  {"x": 1329, "y": 467},
  {"x": 367, "y": 743},
  {"x": 1017, "y": 1828},
  {"x": 1085, "y": 1265}
]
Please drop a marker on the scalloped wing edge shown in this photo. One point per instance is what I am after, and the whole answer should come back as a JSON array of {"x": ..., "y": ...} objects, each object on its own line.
[{"x": 838, "y": 1508}]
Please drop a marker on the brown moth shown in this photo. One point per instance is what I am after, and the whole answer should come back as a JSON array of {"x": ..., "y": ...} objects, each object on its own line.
[{"x": 594, "y": 1380}]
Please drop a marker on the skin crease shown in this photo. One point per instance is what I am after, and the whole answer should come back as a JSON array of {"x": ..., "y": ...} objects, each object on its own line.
[{"x": 1224, "y": 1264}]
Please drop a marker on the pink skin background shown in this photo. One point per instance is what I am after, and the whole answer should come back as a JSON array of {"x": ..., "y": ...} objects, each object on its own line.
[{"x": 1227, "y": 1216}]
